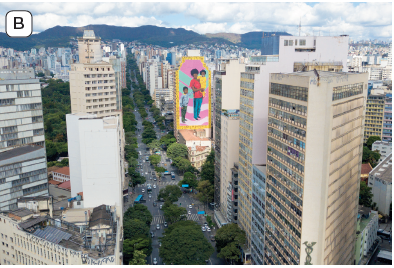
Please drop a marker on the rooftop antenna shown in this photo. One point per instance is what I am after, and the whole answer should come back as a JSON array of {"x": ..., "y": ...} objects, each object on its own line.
[{"x": 299, "y": 28}]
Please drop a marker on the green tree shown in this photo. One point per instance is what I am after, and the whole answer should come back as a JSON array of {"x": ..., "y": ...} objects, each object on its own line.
[
  {"x": 143, "y": 244},
  {"x": 177, "y": 150},
  {"x": 155, "y": 159},
  {"x": 154, "y": 145},
  {"x": 190, "y": 179},
  {"x": 205, "y": 191},
  {"x": 133, "y": 228},
  {"x": 176, "y": 160},
  {"x": 138, "y": 258},
  {"x": 184, "y": 165},
  {"x": 183, "y": 243},
  {"x": 148, "y": 135},
  {"x": 135, "y": 177},
  {"x": 168, "y": 139},
  {"x": 371, "y": 140},
  {"x": 173, "y": 213},
  {"x": 159, "y": 171},
  {"x": 170, "y": 193},
  {"x": 365, "y": 195},
  {"x": 64, "y": 162},
  {"x": 140, "y": 212},
  {"x": 229, "y": 238},
  {"x": 208, "y": 168}
]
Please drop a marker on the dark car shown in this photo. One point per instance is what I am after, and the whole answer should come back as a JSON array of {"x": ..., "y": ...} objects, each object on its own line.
[
  {"x": 152, "y": 234},
  {"x": 154, "y": 204}
]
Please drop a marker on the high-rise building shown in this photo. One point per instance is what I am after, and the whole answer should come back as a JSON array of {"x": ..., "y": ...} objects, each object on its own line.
[
  {"x": 226, "y": 117},
  {"x": 89, "y": 47},
  {"x": 281, "y": 54},
  {"x": 315, "y": 143},
  {"x": 21, "y": 118},
  {"x": 374, "y": 115},
  {"x": 388, "y": 119},
  {"x": 96, "y": 157}
]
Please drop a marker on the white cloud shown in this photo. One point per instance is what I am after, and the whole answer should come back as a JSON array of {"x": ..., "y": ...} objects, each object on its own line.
[{"x": 365, "y": 20}]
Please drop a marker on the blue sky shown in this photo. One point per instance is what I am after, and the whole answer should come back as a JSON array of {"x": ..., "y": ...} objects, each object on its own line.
[{"x": 360, "y": 20}]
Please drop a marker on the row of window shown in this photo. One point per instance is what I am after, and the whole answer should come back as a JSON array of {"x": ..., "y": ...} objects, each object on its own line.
[
  {"x": 98, "y": 75},
  {"x": 293, "y": 118},
  {"x": 16, "y": 142},
  {"x": 6, "y": 102},
  {"x": 293, "y": 92},
  {"x": 283, "y": 126},
  {"x": 35, "y": 189},
  {"x": 288, "y": 105},
  {"x": 302, "y": 42},
  {"x": 347, "y": 91}
]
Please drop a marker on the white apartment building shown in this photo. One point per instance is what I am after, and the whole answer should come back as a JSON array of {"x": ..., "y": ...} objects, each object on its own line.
[
  {"x": 383, "y": 147},
  {"x": 61, "y": 174},
  {"x": 23, "y": 173},
  {"x": 89, "y": 47},
  {"x": 381, "y": 181},
  {"x": 21, "y": 118},
  {"x": 160, "y": 93},
  {"x": 96, "y": 157}
]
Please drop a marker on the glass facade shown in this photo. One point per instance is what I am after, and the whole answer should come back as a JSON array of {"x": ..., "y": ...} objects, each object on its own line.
[
  {"x": 347, "y": 91},
  {"x": 293, "y": 92}
]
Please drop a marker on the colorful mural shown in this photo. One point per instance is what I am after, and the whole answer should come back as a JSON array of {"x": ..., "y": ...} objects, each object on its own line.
[{"x": 193, "y": 98}]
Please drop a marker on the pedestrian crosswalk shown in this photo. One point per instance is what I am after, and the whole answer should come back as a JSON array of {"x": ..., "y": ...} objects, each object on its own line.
[
  {"x": 162, "y": 183},
  {"x": 160, "y": 219}
]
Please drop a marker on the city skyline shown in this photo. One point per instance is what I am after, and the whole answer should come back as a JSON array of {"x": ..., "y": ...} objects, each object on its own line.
[{"x": 358, "y": 20}]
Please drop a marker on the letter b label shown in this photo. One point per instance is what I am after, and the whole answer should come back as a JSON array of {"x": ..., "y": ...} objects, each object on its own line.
[{"x": 19, "y": 23}]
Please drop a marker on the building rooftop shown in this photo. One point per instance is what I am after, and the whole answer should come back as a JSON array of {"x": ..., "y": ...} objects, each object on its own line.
[
  {"x": 100, "y": 215},
  {"x": 321, "y": 74},
  {"x": 366, "y": 168},
  {"x": 188, "y": 135},
  {"x": 383, "y": 171},
  {"x": 65, "y": 185},
  {"x": 261, "y": 167},
  {"x": 20, "y": 213},
  {"x": 386, "y": 143},
  {"x": 64, "y": 171},
  {"x": 19, "y": 151}
]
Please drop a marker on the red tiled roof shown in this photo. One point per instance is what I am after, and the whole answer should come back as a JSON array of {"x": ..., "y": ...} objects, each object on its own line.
[
  {"x": 65, "y": 185},
  {"x": 366, "y": 168},
  {"x": 50, "y": 169},
  {"x": 188, "y": 135},
  {"x": 64, "y": 171},
  {"x": 54, "y": 182}
]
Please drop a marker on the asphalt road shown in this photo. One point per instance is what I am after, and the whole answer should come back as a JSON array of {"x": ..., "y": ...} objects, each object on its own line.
[{"x": 158, "y": 215}]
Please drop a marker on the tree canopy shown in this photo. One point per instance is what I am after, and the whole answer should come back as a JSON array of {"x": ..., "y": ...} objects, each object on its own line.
[
  {"x": 371, "y": 140},
  {"x": 173, "y": 213},
  {"x": 155, "y": 159},
  {"x": 229, "y": 239},
  {"x": 170, "y": 193},
  {"x": 208, "y": 168},
  {"x": 177, "y": 150},
  {"x": 140, "y": 212},
  {"x": 205, "y": 191},
  {"x": 365, "y": 195},
  {"x": 183, "y": 243}
]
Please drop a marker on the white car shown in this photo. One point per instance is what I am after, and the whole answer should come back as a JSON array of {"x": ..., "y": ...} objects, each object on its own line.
[
  {"x": 189, "y": 212},
  {"x": 203, "y": 228},
  {"x": 154, "y": 261},
  {"x": 143, "y": 190},
  {"x": 154, "y": 186},
  {"x": 208, "y": 229},
  {"x": 190, "y": 206},
  {"x": 146, "y": 173}
]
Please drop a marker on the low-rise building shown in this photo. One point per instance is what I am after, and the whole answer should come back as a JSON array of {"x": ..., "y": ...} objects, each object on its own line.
[
  {"x": 383, "y": 147},
  {"x": 197, "y": 155},
  {"x": 380, "y": 180},
  {"x": 365, "y": 169},
  {"x": 367, "y": 232},
  {"x": 199, "y": 146},
  {"x": 61, "y": 174},
  {"x": 31, "y": 239}
]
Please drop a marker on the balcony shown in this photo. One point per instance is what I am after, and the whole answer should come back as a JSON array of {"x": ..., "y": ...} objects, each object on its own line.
[
  {"x": 298, "y": 160},
  {"x": 290, "y": 133},
  {"x": 285, "y": 225},
  {"x": 277, "y": 198},
  {"x": 286, "y": 252},
  {"x": 279, "y": 229},
  {"x": 298, "y": 113},
  {"x": 296, "y": 204},
  {"x": 292, "y": 168},
  {"x": 296, "y": 124}
]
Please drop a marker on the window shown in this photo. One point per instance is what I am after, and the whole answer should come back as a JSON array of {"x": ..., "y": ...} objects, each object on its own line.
[
  {"x": 295, "y": 42},
  {"x": 290, "y": 42},
  {"x": 286, "y": 43},
  {"x": 302, "y": 42}
]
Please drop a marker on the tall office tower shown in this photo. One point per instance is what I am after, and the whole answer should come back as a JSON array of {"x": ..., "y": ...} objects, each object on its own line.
[
  {"x": 374, "y": 115},
  {"x": 226, "y": 131},
  {"x": 89, "y": 47},
  {"x": 95, "y": 148},
  {"x": 388, "y": 118},
  {"x": 21, "y": 119},
  {"x": 117, "y": 67},
  {"x": 23, "y": 166},
  {"x": 123, "y": 72},
  {"x": 314, "y": 158},
  {"x": 279, "y": 54},
  {"x": 151, "y": 76}
]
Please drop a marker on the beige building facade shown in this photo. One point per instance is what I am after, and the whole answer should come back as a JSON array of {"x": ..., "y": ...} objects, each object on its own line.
[{"x": 315, "y": 141}]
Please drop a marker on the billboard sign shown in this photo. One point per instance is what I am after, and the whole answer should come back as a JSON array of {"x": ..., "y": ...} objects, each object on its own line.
[{"x": 193, "y": 94}]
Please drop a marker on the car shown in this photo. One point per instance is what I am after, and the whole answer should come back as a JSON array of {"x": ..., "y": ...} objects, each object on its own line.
[
  {"x": 143, "y": 190},
  {"x": 212, "y": 238},
  {"x": 146, "y": 173},
  {"x": 152, "y": 234},
  {"x": 161, "y": 206},
  {"x": 159, "y": 244},
  {"x": 154, "y": 261},
  {"x": 150, "y": 196},
  {"x": 154, "y": 186},
  {"x": 158, "y": 226},
  {"x": 208, "y": 229},
  {"x": 155, "y": 204},
  {"x": 203, "y": 228},
  {"x": 190, "y": 206},
  {"x": 189, "y": 212},
  {"x": 155, "y": 179},
  {"x": 153, "y": 173},
  {"x": 165, "y": 224},
  {"x": 205, "y": 224}
]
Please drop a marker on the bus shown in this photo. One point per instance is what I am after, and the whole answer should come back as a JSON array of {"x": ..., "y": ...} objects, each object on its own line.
[{"x": 138, "y": 199}]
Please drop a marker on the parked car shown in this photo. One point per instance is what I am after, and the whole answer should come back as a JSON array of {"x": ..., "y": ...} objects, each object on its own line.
[
  {"x": 203, "y": 228},
  {"x": 165, "y": 224},
  {"x": 208, "y": 229},
  {"x": 158, "y": 226},
  {"x": 205, "y": 224}
]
